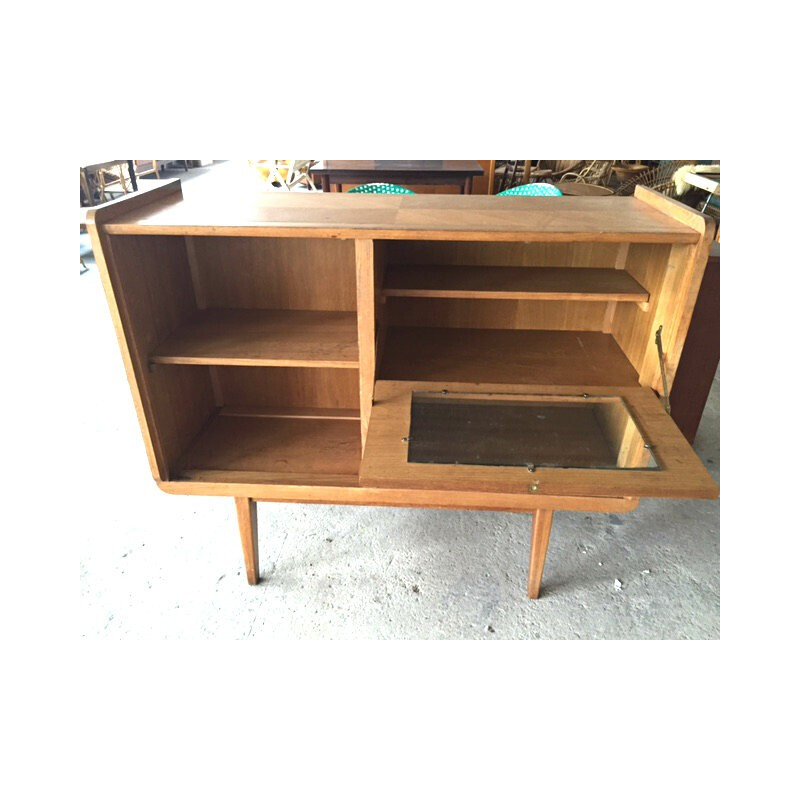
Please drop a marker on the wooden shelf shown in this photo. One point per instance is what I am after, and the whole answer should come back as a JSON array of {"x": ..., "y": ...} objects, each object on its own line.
[
  {"x": 274, "y": 449},
  {"x": 473, "y": 355},
  {"x": 513, "y": 283},
  {"x": 264, "y": 338}
]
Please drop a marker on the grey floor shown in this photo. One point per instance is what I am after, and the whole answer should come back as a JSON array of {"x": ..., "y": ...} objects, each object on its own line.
[{"x": 155, "y": 566}]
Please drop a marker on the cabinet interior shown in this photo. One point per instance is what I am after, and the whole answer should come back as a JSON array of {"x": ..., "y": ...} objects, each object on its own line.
[{"x": 246, "y": 348}]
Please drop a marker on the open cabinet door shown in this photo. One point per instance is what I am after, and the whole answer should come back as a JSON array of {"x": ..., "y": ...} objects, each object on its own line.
[{"x": 578, "y": 441}]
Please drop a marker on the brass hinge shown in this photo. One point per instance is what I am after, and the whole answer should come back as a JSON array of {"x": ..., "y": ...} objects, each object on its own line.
[{"x": 665, "y": 395}]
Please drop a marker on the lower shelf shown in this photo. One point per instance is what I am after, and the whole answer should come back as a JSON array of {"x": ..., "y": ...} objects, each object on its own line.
[
  {"x": 472, "y": 355},
  {"x": 235, "y": 448}
]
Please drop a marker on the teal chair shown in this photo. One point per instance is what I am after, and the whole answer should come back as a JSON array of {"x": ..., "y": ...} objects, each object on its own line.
[
  {"x": 379, "y": 188},
  {"x": 532, "y": 190}
]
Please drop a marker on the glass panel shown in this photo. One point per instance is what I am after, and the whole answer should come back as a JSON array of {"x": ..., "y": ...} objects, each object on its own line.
[{"x": 541, "y": 431}]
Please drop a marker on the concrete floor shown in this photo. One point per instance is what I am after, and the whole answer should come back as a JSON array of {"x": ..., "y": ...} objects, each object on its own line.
[{"x": 154, "y": 566}]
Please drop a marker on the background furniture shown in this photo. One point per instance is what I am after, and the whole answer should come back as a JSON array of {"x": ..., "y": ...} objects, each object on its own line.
[
  {"x": 104, "y": 180},
  {"x": 575, "y": 189},
  {"x": 595, "y": 172},
  {"x": 286, "y": 173},
  {"x": 379, "y": 188},
  {"x": 95, "y": 185},
  {"x": 517, "y": 172},
  {"x": 442, "y": 173},
  {"x": 700, "y": 359},
  {"x": 532, "y": 190},
  {"x": 298, "y": 174},
  {"x": 298, "y": 349},
  {"x": 625, "y": 170},
  {"x": 707, "y": 179},
  {"x": 144, "y": 167},
  {"x": 659, "y": 178}
]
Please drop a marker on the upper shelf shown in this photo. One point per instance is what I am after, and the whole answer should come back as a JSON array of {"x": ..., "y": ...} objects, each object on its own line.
[
  {"x": 259, "y": 338},
  {"x": 363, "y": 216},
  {"x": 513, "y": 283}
]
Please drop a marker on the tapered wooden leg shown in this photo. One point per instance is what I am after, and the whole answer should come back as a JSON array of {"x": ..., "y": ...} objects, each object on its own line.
[
  {"x": 540, "y": 536},
  {"x": 248, "y": 530}
]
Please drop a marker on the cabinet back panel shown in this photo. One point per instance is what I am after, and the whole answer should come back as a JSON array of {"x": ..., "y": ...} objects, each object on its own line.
[
  {"x": 504, "y": 254},
  {"x": 152, "y": 286},
  {"x": 260, "y": 272},
  {"x": 287, "y": 387},
  {"x": 556, "y": 315}
]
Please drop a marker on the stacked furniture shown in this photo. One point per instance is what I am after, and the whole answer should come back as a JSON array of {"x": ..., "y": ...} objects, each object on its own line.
[
  {"x": 465, "y": 352},
  {"x": 435, "y": 173}
]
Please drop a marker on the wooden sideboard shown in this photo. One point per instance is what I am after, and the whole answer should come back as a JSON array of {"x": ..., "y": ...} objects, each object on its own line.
[{"x": 465, "y": 352}]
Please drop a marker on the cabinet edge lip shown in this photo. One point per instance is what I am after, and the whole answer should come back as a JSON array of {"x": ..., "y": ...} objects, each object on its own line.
[
  {"x": 105, "y": 213},
  {"x": 690, "y": 236}
]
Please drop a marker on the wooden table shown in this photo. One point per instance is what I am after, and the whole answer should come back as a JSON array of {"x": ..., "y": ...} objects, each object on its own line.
[{"x": 439, "y": 173}]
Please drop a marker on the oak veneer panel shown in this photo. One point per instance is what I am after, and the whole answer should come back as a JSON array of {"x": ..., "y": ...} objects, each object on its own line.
[
  {"x": 385, "y": 461},
  {"x": 288, "y": 387},
  {"x": 248, "y": 337},
  {"x": 147, "y": 280},
  {"x": 503, "y": 254},
  {"x": 464, "y": 217},
  {"x": 365, "y": 282},
  {"x": 513, "y": 283},
  {"x": 558, "y": 315},
  {"x": 310, "y": 274},
  {"x": 504, "y": 356},
  {"x": 308, "y": 449},
  {"x": 290, "y": 413}
]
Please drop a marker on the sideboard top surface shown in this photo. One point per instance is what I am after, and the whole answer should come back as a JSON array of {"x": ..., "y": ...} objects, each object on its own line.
[{"x": 362, "y": 216}]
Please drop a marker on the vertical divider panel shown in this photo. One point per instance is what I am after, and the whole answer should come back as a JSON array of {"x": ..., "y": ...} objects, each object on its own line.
[
  {"x": 611, "y": 307},
  {"x": 365, "y": 297},
  {"x": 381, "y": 261}
]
